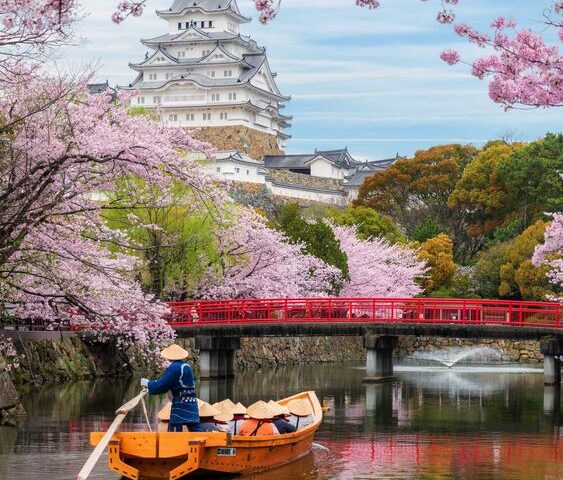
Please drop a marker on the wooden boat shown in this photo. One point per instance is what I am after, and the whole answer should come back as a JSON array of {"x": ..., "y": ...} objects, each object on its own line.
[{"x": 168, "y": 455}]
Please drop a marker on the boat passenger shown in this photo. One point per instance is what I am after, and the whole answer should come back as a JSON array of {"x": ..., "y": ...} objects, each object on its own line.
[
  {"x": 301, "y": 413},
  {"x": 179, "y": 379},
  {"x": 206, "y": 414},
  {"x": 260, "y": 420},
  {"x": 222, "y": 420},
  {"x": 239, "y": 415},
  {"x": 280, "y": 420}
]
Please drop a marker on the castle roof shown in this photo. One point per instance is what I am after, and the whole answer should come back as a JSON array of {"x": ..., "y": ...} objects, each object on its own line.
[
  {"x": 202, "y": 37},
  {"x": 179, "y": 7}
]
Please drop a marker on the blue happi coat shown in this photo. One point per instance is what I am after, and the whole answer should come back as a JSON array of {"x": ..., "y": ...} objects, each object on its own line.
[{"x": 179, "y": 379}]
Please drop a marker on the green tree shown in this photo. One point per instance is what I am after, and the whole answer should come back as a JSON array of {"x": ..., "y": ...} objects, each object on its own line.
[
  {"x": 368, "y": 223},
  {"x": 425, "y": 230},
  {"x": 175, "y": 241},
  {"x": 519, "y": 279},
  {"x": 317, "y": 237},
  {"x": 417, "y": 188},
  {"x": 482, "y": 190},
  {"x": 507, "y": 187},
  {"x": 437, "y": 252},
  {"x": 486, "y": 271}
]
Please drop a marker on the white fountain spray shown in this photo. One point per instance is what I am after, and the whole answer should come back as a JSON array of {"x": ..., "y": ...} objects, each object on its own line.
[{"x": 450, "y": 356}]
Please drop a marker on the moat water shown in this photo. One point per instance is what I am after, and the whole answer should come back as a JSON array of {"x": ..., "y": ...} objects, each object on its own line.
[{"x": 464, "y": 422}]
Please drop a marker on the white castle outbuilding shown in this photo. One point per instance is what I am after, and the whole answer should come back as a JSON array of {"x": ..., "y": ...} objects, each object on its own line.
[{"x": 204, "y": 73}]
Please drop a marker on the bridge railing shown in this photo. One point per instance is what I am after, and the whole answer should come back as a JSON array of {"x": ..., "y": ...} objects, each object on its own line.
[{"x": 369, "y": 310}]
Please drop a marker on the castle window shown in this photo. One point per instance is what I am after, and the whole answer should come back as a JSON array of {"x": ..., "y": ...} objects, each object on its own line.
[
  {"x": 189, "y": 117},
  {"x": 237, "y": 169},
  {"x": 218, "y": 169},
  {"x": 210, "y": 24},
  {"x": 141, "y": 100},
  {"x": 227, "y": 73},
  {"x": 232, "y": 96},
  {"x": 153, "y": 76},
  {"x": 212, "y": 74},
  {"x": 202, "y": 24},
  {"x": 187, "y": 25},
  {"x": 182, "y": 53},
  {"x": 179, "y": 25},
  {"x": 155, "y": 99},
  {"x": 223, "y": 115},
  {"x": 215, "y": 97},
  {"x": 248, "y": 172},
  {"x": 207, "y": 116},
  {"x": 173, "y": 117}
]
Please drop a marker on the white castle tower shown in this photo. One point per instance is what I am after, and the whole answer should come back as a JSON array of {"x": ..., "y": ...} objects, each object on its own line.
[{"x": 204, "y": 74}]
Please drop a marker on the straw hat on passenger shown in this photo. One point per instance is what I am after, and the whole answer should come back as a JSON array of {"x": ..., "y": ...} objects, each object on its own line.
[
  {"x": 226, "y": 404},
  {"x": 239, "y": 409},
  {"x": 225, "y": 415},
  {"x": 164, "y": 414},
  {"x": 280, "y": 409},
  {"x": 260, "y": 411},
  {"x": 174, "y": 352},
  {"x": 206, "y": 410},
  {"x": 299, "y": 407}
]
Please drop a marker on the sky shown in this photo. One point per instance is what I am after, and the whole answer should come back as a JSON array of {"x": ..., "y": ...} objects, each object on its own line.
[{"x": 370, "y": 80}]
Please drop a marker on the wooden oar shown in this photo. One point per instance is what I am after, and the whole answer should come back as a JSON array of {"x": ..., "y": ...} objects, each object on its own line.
[{"x": 121, "y": 413}]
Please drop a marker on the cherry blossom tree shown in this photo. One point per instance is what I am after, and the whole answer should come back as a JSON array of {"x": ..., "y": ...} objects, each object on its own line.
[
  {"x": 377, "y": 268},
  {"x": 30, "y": 30},
  {"x": 551, "y": 252},
  {"x": 58, "y": 259},
  {"x": 258, "y": 262}
]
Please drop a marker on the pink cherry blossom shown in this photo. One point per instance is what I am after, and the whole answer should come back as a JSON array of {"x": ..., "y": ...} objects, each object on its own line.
[
  {"x": 377, "y": 268},
  {"x": 59, "y": 262},
  {"x": 259, "y": 262}
]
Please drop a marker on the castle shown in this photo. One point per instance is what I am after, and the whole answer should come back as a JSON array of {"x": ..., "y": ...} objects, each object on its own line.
[{"x": 204, "y": 74}]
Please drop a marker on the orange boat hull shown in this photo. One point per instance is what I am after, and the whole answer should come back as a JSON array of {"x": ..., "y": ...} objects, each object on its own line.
[{"x": 164, "y": 455}]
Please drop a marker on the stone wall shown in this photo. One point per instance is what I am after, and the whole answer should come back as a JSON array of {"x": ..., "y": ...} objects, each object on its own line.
[
  {"x": 242, "y": 139},
  {"x": 9, "y": 400},
  {"x": 285, "y": 177},
  {"x": 272, "y": 351},
  {"x": 525, "y": 351}
]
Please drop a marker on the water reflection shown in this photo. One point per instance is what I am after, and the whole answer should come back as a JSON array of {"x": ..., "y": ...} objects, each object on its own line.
[{"x": 463, "y": 423}]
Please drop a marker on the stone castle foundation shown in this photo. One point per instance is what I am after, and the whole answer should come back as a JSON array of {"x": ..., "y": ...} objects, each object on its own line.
[{"x": 254, "y": 143}]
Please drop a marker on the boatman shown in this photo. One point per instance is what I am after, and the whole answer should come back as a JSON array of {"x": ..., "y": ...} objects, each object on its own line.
[{"x": 179, "y": 379}]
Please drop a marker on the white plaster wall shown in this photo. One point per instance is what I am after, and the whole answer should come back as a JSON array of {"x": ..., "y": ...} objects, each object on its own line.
[
  {"x": 220, "y": 22},
  {"x": 322, "y": 168},
  {"x": 228, "y": 170}
]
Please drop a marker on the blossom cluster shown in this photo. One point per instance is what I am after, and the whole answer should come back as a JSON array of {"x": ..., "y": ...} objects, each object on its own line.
[{"x": 551, "y": 251}]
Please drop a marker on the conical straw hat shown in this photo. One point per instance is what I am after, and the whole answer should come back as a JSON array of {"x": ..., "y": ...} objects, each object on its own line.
[
  {"x": 207, "y": 410},
  {"x": 300, "y": 407},
  {"x": 280, "y": 409},
  {"x": 226, "y": 404},
  {"x": 224, "y": 416},
  {"x": 164, "y": 414},
  {"x": 260, "y": 411},
  {"x": 174, "y": 352},
  {"x": 239, "y": 409}
]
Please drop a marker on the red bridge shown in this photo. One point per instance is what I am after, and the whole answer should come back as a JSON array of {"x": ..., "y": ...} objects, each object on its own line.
[
  {"x": 218, "y": 325},
  {"x": 367, "y": 311}
]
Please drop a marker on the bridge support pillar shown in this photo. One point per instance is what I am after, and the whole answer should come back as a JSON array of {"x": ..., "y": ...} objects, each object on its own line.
[
  {"x": 216, "y": 356},
  {"x": 379, "y": 357},
  {"x": 552, "y": 349}
]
